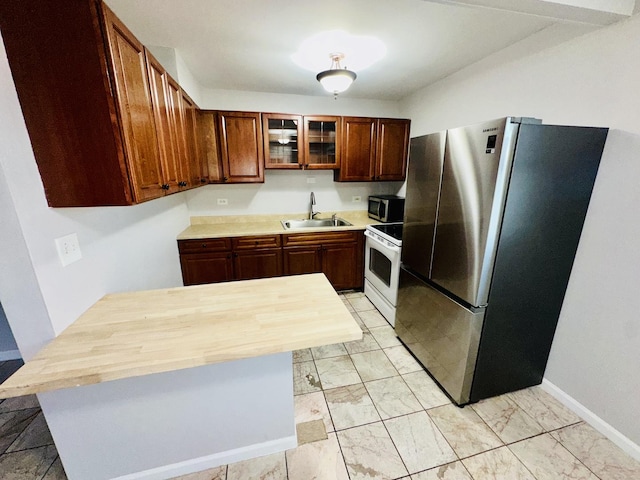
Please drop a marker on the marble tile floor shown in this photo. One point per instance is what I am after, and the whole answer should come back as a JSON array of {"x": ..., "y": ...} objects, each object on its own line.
[{"x": 380, "y": 416}]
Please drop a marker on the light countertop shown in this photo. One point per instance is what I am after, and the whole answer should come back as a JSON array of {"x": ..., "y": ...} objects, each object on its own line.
[
  {"x": 140, "y": 333},
  {"x": 241, "y": 225}
]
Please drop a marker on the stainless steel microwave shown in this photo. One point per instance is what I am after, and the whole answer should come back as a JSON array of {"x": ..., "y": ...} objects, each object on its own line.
[{"x": 386, "y": 208}]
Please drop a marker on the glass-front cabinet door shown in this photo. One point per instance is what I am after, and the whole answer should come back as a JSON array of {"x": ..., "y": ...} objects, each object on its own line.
[
  {"x": 282, "y": 135},
  {"x": 322, "y": 142}
]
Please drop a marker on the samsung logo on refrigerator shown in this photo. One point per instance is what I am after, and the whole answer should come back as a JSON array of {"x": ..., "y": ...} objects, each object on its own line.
[{"x": 494, "y": 129}]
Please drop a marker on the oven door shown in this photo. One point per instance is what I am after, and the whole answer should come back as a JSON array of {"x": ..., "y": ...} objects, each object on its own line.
[{"x": 382, "y": 267}]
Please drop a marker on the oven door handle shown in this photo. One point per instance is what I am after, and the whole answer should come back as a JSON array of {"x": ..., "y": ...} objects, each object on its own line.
[{"x": 391, "y": 248}]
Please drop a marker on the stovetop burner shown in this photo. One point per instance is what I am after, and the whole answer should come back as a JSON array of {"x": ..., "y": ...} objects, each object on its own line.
[{"x": 394, "y": 230}]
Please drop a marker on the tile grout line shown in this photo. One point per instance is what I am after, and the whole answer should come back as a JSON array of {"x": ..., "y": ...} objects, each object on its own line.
[{"x": 51, "y": 466}]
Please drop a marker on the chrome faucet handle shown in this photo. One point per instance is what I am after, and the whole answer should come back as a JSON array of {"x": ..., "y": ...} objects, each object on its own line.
[{"x": 313, "y": 215}]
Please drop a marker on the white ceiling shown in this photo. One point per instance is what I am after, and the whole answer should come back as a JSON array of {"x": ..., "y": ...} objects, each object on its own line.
[{"x": 247, "y": 44}]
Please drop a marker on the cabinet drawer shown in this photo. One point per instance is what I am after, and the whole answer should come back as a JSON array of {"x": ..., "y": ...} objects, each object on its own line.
[
  {"x": 258, "y": 241},
  {"x": 324, "y": 238},
  {"x": 204, "y": 245}
]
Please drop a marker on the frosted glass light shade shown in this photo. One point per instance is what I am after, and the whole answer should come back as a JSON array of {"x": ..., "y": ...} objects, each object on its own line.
[{"x": 336, "y": 81}]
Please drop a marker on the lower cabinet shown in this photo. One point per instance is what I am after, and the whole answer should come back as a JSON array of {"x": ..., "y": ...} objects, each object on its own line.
[
  {"x": 225, "y": 259},
  {"x": 256, "y": 257},
  {"x": 339, "y": 255}
]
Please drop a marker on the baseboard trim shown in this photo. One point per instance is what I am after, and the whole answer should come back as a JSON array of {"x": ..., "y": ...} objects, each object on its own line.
[
  {"x": 10, "y": 355},
  {"x": 592, "y": 419},
  {"x": 214, "y": 460}
]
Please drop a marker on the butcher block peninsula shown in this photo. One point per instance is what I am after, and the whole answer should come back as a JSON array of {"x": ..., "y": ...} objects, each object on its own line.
[{"x": 153, "y": 384}]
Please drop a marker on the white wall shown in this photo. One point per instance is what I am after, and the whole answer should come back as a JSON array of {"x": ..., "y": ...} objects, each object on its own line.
[
  {"x": 592, "y": 80},
  {"x": 288, "y": 191},
  {"x": 124, "y": 248},
  {"x": 280, "y": 103},
  {"x": 173, "y": 63}
]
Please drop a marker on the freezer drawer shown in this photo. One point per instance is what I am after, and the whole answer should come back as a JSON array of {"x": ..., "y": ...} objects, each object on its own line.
[{"x": 441, "y": 333}]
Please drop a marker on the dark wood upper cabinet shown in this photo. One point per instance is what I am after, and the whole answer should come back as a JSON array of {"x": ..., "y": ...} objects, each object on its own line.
[
  {"x": 135, "y": 106},
  {"x": 207, "y": 144},
  {"x": 322, "y": 135},
  {"x": 392, "y": 149},
  {"x": 358, "y": 149},
  {"x": 166, "y": 132},
  {"x": 196, "y": 165},
  {"x": 373, "y": 149},
  {"x": 241, "y": 148},
  {"x": 94, "y": 106},
  {"x": 283, "y": 140}
]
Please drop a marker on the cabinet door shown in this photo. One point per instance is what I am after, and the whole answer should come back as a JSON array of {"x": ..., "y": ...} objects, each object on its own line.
[
  {"x": 165, "y": 125},
  {"x": 241, "y": 148},
  {"x": 343, "y": 265},
  {"x": 199, "y": 268},
  {"x": 299, "y": 260},
  {"x": 180, "y": 169},
  {"x": 261, "y": 263},
  {"x": 208, "y": 145},
  {"x": 135, "y": 109},
  {"x": 392, "y": 149},
  {"x": 282, "y": 134},
  {"x": 358, "y": 149},
  {"x": 195, "y": 164},
  {"x": 322, "y": 142}
]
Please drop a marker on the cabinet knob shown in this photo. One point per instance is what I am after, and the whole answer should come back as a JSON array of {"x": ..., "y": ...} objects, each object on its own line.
[
  {"x": 204, "y": 245},
  {"x": 224, "y": 179},
  {"x": 235, "y": 255},
  {"x": 203, "y": 180},
  {"x": 228, "y": 257},
  {"x": 182, "y": 183},
  {"x": 165, "y": 186}
]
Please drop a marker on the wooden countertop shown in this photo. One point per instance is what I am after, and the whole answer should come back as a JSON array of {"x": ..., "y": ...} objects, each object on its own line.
[
  {"x": 241, "y": 225},
  {"x": 140, "y": 333}
]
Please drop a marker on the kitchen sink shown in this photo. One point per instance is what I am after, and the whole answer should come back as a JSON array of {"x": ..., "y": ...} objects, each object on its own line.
[{"x": 315, "y": 223}]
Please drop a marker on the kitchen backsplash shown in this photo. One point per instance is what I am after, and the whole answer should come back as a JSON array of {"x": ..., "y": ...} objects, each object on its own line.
[{"x": 284, "y": 192}]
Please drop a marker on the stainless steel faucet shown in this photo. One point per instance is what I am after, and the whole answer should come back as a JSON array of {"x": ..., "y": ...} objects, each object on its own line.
[{"x": 312, "y": 202}]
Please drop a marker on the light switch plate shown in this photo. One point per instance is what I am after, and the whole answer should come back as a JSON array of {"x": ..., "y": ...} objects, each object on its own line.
[{"x": 68, "y": 249}]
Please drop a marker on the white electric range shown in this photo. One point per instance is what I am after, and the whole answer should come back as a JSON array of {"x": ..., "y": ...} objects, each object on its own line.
[{"x": 382, "y": 267}]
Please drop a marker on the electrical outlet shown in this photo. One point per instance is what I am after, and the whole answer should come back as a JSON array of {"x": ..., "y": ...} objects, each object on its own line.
[
  {"x": 311, "y": 179},
  {"x": 356, "y": 198},
  {"x": 223, "y": 201},
  {"x": 68, "y": 249}
]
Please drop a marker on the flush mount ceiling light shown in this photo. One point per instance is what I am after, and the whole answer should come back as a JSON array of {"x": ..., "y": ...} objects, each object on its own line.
[{"x": 337, "y": 79}]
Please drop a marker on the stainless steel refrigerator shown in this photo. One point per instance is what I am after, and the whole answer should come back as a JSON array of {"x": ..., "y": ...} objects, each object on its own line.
[{"x": 493, "y": 216}]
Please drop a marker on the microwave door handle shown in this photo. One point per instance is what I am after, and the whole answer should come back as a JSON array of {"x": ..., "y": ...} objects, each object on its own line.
[{"x": 379, "y": 205}]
